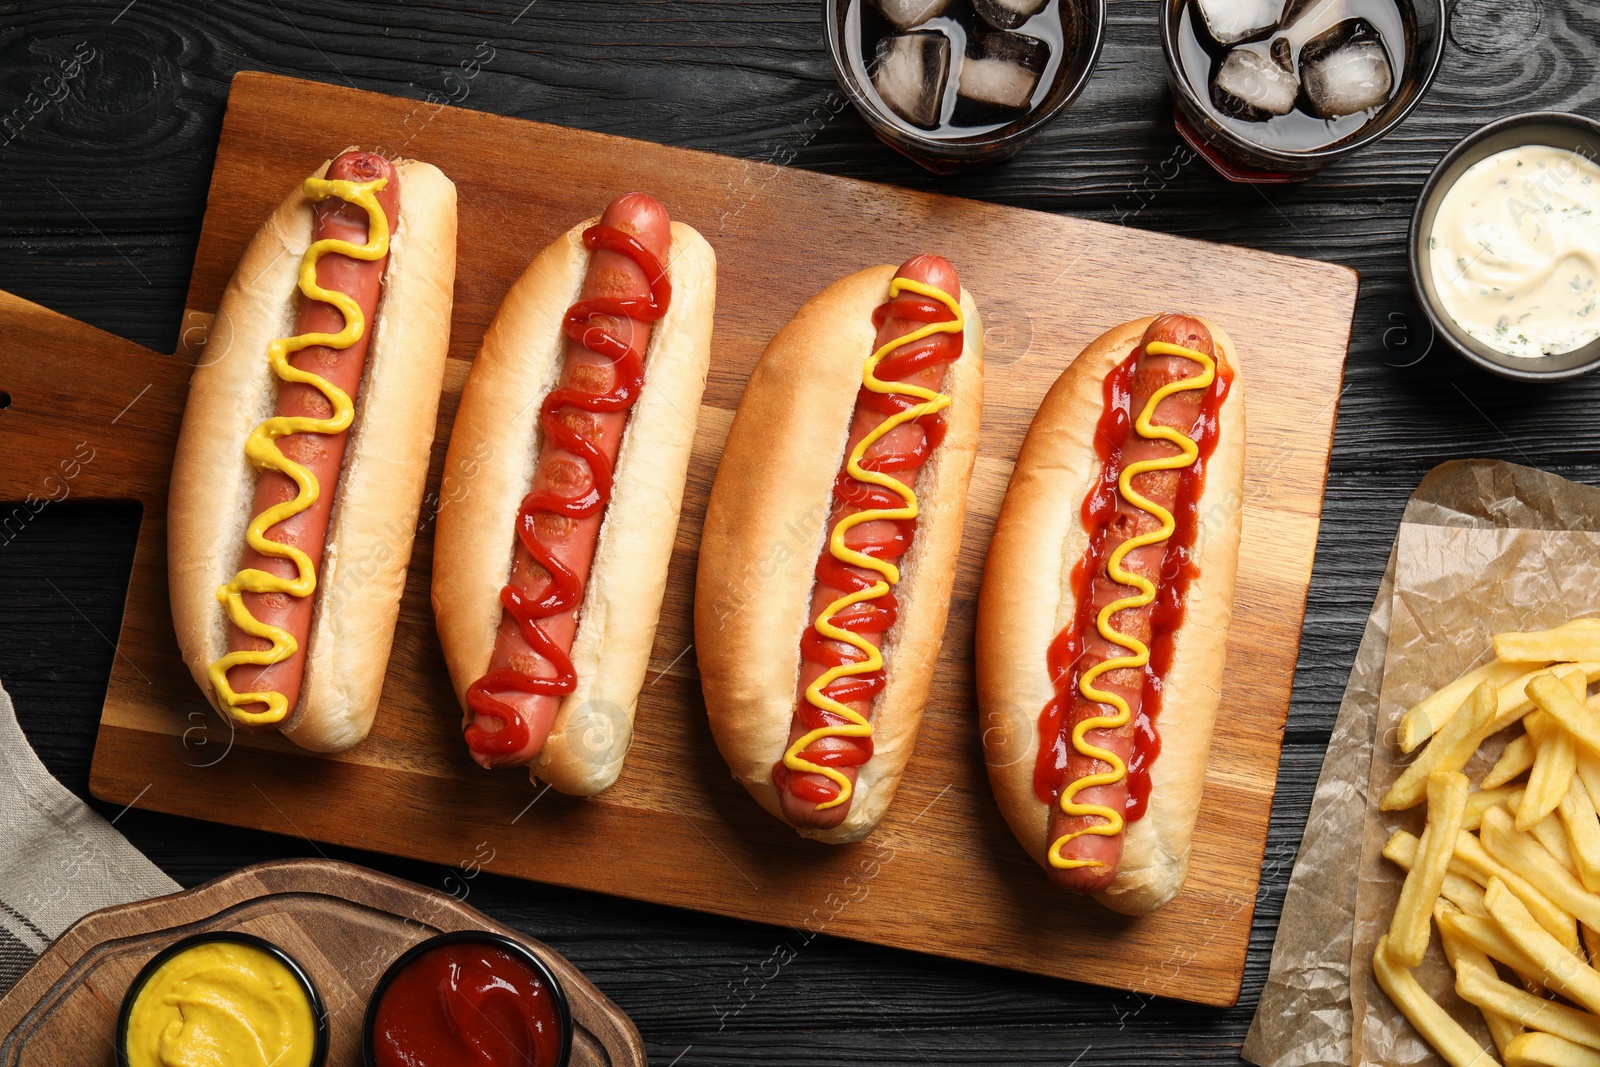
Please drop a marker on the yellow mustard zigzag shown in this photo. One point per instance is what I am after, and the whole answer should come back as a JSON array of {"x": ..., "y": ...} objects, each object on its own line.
[
  {"x": 1110, "y": 824},
  {"x": 264, "y": 454},
  {"x": 855, "y": 724}
]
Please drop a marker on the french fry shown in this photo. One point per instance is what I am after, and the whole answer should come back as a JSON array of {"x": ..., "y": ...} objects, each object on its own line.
[
  {"x": 1582, "y": 828},
  {"x": 1480, "y": 799},
  {"x": 1547, "y": 831},
  {"x": 1589, "y": 772},
  {"x": 1506, "y": 1008},
  {"x": 1458, "y": 887},
  {"x": 1517, "y": 758},
  {"x": 1576, "y": 677},
  {"x": 1502, "y": 1030},
  {"x": 1512, "y": 701},
  {"x": 1424, "y": 718},
  {"x": 1555, "y": 762},
  {"x": 1483, "y": 868},
  {"x": 1530, "y": 859},
  {"x": 1447, "y": 803},
  {"x": 1570, "y": 642},
  {"x": 1557, "y": 964},
  {"x": 1555, "y": 697},
  {"x": 1401, "y": 848},
  {"x": 1449, "y": 750},
  {"x": 1554, "y": 737},
  {"x": 1486, "y": 992},
  {"x": 1487, "y": 937},
  {"x": 1548, "y": 1050},
  {"x": 1536, "y": 854},
  {"x": 1436, "y": 1026},
  {"x": 1465, "y": 894},
  {"x": 1466, "y": 960}
]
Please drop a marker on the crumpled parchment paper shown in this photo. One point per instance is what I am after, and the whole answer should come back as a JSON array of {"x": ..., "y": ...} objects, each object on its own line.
[{"x": 1484, "y": 546}]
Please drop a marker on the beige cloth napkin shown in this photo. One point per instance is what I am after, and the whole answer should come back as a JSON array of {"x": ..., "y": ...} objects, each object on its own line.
[{"x": 59, "y": 859}]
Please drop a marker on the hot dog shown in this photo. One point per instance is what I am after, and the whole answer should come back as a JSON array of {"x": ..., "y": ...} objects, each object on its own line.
[
  {"x": 300, "y": 464},
  {"x": 1104, "y": 609},
  {"x": 322, "y": 454},
  {"x": 828, "y": 553},
  {"x": 569, "y": 456}
]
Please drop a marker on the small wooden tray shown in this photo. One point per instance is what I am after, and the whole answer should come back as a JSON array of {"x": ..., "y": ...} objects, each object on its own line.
[
  {"x": 96, "y": 417},
  {"x": 345, "y": 924}
]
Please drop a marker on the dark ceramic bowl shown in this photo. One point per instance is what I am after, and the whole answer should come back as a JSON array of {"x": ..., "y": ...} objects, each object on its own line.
[
  {"x": 319, "y": 1014},
  {"x": 1556, "y": 129},
  {"x": 500, "y": 941},
  {"x": 1239, "y": 159},
  {"x": 1083, "y": 27}
]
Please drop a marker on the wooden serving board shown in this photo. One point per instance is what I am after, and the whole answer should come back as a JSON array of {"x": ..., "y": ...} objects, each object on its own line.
[
  {"x": 343, "y": 923},
  {"x": 941, "y": 874}
]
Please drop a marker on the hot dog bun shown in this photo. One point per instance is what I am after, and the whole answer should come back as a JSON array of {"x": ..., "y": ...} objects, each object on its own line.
[
  {"x": 362, "y": 573},
  {"x": 766, "y": 523},
  {"x": 490, "y": 466},
  {"x": 1027, "y": 599}
]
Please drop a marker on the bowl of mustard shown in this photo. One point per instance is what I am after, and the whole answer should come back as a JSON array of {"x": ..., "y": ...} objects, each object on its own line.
[{"x": 223, "y": 999}]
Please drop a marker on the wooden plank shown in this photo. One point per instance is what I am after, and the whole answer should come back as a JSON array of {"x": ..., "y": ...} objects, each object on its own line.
[
  {"x": 675, "y": 829},
  {"x": 343, "y": 923}
]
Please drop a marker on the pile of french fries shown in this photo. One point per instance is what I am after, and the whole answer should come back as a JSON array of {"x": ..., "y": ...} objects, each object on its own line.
[{"x": 1508, "y": 871}]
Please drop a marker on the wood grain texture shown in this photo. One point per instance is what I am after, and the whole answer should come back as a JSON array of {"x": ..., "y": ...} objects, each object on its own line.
[
  {"x": 344, "y": 924},
  {"x": 129, "y": 151},
  {"x": 676, "y": 829}
]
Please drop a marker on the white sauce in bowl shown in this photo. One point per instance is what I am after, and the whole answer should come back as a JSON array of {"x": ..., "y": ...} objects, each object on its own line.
[{"x": 1515, "y": 251}]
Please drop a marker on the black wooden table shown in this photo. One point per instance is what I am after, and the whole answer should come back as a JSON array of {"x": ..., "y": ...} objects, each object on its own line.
[{"x": 102, "y": 186}]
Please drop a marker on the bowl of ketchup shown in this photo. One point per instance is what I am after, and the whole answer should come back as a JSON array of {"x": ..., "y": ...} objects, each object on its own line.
[{"x": 469, "y": 997}]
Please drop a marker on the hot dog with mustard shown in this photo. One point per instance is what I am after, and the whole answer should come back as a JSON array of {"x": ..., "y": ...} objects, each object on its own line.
[
  {"x": 1103, "y": 614},
  {"x": 304, "y": 448},
  {"x": 829, "y": 547}
]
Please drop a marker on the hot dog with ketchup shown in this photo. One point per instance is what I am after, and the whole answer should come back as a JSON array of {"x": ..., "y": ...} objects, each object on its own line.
[
  {"x": 562, "y": 488},
  {"x": 1103, "y": 615},
  {"x": 829, "y": 547},
  {"x": 304, "y": 448}
]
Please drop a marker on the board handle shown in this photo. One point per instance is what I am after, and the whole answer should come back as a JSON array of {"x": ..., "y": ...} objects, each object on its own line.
[{"x": 84, "y": 414}]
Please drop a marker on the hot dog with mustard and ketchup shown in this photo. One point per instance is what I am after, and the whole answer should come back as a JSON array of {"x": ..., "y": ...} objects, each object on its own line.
[
  {"x": 564, "y": 479},
  {"x": 1103, "y": 614},
  {"x": 828, "y": 553},
  {"x": 300, "y": 465}
]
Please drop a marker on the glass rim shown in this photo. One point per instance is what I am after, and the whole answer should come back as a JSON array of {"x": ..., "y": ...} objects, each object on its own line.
[
  {"x": 1373, "y": 131},
  {"x": 942, "y": 147}
]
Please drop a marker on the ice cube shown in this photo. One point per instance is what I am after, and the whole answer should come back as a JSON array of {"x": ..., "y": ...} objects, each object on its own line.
[
  {"x": 1232, "y": 21},
  {"x": 1007, "y": 14},
  {"x": 1251, "y": 85},
  {"x": 1346, "y": 70},
  {"x": 1004, "y": 70},
  {"x": 1311, "y": 17},
  {"x": 908, "y": 14},
  {"x": 910, "y": 73},
  {"x": 1304, "y": 20}
]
